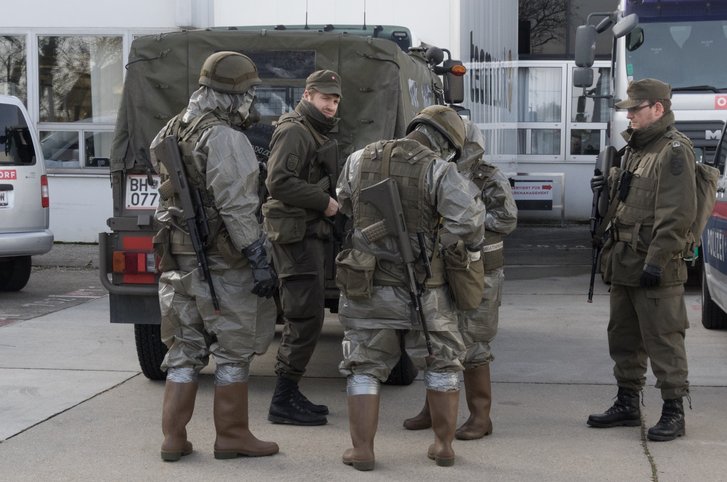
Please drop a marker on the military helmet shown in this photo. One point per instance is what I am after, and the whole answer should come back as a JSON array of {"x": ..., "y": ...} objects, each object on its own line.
[
  {"x": 229, "y": 72},
  {"x": 446, "y": 121}
]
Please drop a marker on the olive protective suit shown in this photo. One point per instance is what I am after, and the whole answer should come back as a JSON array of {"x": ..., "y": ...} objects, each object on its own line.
[
  {"x": 479, "y": 326},
  {"x": 431, "y": 190},
  {"x": 643, "y": 261},
  {"x": 220, "y": 164}
]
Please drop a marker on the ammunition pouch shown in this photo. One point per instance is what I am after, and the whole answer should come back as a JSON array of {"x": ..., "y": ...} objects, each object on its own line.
[
  {"x": 282, "y": 223},
  {"x": 355, "y": 273},
  {"x": 162, "y": 242},
  {"x": 466, "y": 278}
]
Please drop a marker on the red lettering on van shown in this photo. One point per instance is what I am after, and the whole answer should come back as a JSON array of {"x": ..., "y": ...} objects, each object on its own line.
[{"x": 8, "y": 175}]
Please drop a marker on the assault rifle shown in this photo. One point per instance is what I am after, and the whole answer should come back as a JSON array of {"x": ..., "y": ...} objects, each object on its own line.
[
  {"x": 607, "y": 158},
  {"x": 192, "y": 211},
  {"x": 384, "y": 196}
]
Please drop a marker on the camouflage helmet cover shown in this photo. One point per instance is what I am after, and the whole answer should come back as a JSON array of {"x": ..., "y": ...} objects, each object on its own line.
[
  {"x": 446, "y": 121},
  {"x": 229, "y": 72}
]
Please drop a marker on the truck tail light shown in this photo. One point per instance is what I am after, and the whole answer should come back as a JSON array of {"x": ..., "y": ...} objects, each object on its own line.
[
  {"x": 135, "y": 260},
  {"x": 44, "y": 197}
]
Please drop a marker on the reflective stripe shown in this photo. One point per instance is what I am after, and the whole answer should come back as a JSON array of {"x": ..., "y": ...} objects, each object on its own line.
[
  {"x": 493, "y": 247},
  {"x": 362, "y": 385}
]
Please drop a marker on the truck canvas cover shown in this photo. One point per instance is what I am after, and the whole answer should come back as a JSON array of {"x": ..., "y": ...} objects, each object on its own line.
[{"x": 383, "y": 87}]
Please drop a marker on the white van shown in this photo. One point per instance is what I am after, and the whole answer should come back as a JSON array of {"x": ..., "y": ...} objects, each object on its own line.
[{"x": 24, "y": 202}]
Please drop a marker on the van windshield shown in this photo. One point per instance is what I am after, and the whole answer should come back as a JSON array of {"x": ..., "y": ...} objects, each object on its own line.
[{"x": 16, "y": 143}]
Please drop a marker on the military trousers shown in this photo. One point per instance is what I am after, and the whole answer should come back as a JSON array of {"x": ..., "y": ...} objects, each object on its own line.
[
  {"x": 479, "y": 326},
  {"x": 301, "y": 270},
  {"x": 191, "y": 329},
  {"x": 376, "y": 351},
  {"x": 649, "y": 323}
]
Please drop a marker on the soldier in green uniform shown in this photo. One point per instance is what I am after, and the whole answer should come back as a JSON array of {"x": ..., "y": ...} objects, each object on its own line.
[
  {"x": 655, "y": 192},
  {"x": 295, "y": 221}
]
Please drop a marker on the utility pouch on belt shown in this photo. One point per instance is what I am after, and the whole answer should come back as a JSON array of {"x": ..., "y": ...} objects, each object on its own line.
[
  {"x": 282, "y": 223},
  {"x": 162, "y": 242},
  {"x": 466, "y": 278},
  {"x": 355, "y": 273},
  {"x": 624, "y": 184}
]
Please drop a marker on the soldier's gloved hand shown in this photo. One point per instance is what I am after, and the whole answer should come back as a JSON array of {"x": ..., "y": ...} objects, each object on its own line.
[
  {"x": 598, "y": 182},
  {"x": 650, "y": 277},
  {"x": 265, "y": 280}
]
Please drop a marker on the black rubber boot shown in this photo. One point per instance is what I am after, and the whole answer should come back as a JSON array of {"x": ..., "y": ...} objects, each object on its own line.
[
  {"x": 671, "y": 423},
  {"x": 287, "y": 406},
  {"x": 625, "y": 412}
]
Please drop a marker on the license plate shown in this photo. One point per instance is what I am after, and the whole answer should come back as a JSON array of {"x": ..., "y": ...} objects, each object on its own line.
[
  {"x": 4, "y": 199},
  {"x": 140, "y": 194}
]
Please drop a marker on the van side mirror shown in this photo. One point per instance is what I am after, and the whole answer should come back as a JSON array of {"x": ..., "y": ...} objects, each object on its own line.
[
  {"x": 625, "y": 25},
  {"x": 585, "y": 53},
  {"x": 582, "y": 77}
]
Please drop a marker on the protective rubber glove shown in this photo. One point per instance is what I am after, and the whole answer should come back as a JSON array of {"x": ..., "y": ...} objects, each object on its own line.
[
  {"x": 650, "y": 277},
  {"x": 265, "y": 280},
  {"x": 598, "y": 183}
]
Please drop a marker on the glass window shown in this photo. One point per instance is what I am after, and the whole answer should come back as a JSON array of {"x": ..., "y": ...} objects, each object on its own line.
[
  {"x": 284, "y": 64},
  {"x": 539, "y": 94},
  {"x": 98, "y": 148},
  {"x": 60, "y": 148},
  {"x": 541, "y": 142},
  {"x": 585, "y": 142},
  {"x": 79, "y": 78},
  {"x": 593, "y": 106},
  {"x": 16, "y": 143},
  {"x": 272, "y": 102},
  {"x": 13, "y": 68}
]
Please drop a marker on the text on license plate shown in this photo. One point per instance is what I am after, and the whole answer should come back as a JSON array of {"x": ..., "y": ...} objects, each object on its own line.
[
  {"x": 4, "y": 199},
  {"x": 140, "y": 194}
]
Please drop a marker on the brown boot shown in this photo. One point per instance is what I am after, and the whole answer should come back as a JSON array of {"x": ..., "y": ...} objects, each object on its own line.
[
  {"x": 443, "y": 407},
  {"x": 363, "y": 420},
  {"x": 177, "y": 409},
  {"x": 478, "y": 391},
  {"x": 421, "y": 420},
  {"x": 234, "y": 438}
]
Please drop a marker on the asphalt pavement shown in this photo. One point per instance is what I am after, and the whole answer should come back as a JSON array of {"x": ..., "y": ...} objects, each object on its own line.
[{"x": 74, "y": 406}]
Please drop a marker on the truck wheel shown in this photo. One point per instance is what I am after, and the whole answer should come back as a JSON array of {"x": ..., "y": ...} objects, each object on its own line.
[
  {"x": 713, "y": 318},
  {"x": 150, "y": 351},
  {"x": 14, "y": 273}
]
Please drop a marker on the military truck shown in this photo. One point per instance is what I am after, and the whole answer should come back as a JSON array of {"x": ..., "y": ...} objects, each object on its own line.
[{"x": 385, "y": 82}]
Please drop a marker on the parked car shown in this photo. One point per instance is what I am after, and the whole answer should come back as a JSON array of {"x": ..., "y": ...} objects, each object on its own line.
[
  {"x": 714, "y": 250},
  {"x": 24, "y": 202}
]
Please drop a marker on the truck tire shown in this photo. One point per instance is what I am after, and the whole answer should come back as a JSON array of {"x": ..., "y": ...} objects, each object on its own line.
[
  {"x": 713, "y": 318},
  {"x": 150, "y": 350},
  {"x": 14, "y": 273}
]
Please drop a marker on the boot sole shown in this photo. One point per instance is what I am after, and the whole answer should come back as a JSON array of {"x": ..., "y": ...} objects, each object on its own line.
[
  {"x": 173, "y": 456},
  {"x": 664, "y": 438},
  {"x": 417, "y": 426},
  {"x": 289, "y": 421},
  {"x": 362, "y": 465},
  {"x": 234, "y": 455},
  {"x": 624, "y": 423},
  {"x": 442, "y": 461}
]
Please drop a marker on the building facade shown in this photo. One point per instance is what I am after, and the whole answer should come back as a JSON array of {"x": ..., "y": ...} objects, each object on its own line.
[{"x": 65, "y": 61}]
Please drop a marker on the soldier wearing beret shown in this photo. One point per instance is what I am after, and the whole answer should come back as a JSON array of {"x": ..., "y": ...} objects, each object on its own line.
[
  {"x": 655, "y": 196},
  {"x": 295, "y": 221}
]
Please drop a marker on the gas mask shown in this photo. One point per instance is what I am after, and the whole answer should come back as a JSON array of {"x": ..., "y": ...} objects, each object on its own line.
[{"x": 439, "y": 144}]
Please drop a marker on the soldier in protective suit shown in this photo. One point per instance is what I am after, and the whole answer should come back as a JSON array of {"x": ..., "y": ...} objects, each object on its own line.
[
  {"x": 221, "y": 165},
  {"x": 479, "y": 326},
  {"x": 373, "y": 306},
  {"x": 295, "y": 221},
  {"x": 655, "y": 192}
]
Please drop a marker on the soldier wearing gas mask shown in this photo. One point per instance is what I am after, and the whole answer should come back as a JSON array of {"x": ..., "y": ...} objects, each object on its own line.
[{"x": 238, "y": 322}]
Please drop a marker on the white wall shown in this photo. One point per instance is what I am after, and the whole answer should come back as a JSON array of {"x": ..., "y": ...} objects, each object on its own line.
[{"x": 429, "y": 20}]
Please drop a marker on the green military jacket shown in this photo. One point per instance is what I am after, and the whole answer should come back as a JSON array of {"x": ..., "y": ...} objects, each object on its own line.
[{"x": 651, "y": 225}]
